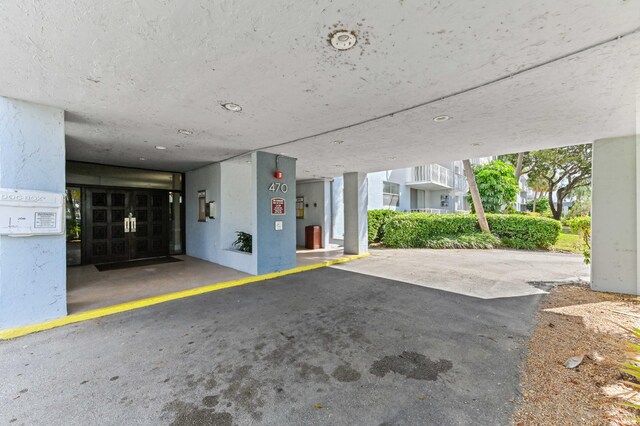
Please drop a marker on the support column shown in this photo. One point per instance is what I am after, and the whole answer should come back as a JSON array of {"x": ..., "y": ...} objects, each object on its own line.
[
  {"x": 355, "y": 213},
  {"x": 33, "y": 269},
  {"x": 275, "y": 240},
  {"x": 615, "y": 215}
]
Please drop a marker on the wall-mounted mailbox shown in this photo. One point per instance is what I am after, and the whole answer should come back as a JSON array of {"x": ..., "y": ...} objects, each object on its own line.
[{"x": 25, "y": 213}]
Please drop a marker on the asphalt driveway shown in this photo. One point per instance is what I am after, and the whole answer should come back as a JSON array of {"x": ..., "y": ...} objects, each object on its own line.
[{"x": 327, "y": 346}]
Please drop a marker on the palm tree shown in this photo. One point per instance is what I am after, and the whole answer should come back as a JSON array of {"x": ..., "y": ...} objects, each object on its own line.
[{"x": 539, "y": 187}]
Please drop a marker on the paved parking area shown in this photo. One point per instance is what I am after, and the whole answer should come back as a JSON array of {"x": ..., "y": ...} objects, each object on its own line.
[{"x": 328, "y": 346}]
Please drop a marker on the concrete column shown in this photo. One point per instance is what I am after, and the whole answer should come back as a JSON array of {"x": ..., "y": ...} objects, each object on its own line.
[
  {"x": 355, "y": 213},
  {"x": 615, "y": 214},
  {"x": 32, "y": 269},
  {"x": 275, "y": 240}
]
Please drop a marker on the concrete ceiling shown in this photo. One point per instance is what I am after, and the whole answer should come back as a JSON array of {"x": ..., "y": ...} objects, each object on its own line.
[{"x": 513, "y": 75}]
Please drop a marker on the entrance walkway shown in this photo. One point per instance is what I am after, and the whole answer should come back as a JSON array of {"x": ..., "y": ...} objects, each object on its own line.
[{"x": 88, "y": 289}]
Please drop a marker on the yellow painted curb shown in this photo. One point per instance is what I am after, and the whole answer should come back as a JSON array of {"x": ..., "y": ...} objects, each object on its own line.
[{"x": 12, "y": 333}]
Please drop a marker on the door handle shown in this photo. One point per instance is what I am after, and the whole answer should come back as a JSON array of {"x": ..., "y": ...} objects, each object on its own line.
[
  {"x": 133, "y": 224},
  {"x": 127, "y": 225}
]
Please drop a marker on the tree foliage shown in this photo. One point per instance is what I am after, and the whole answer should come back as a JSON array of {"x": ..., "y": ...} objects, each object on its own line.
[
  {"x": 565, "y": 170},
  {"x": 497, "y": 185}
]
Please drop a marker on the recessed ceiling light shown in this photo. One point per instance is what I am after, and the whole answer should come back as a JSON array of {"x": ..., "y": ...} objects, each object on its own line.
[
  {"x": 337, "y": 142},
  {"x": 230, "y": 106},
  {"x": 142, "y": 159},
  {"x": 185, "y": 132},
  {"x": 441, "y": 118},
  {"x": 342, "y": 39},
  {"x": 476, "y": 144},
  {"x": 160, "y": 147}
]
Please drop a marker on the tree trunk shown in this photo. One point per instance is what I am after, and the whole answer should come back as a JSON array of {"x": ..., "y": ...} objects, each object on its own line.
[
  {"x": 475, "y": 197},
  {"x": 535, "y": 199},
  {"x": 518, "y": 172},
  {"x": 556, "y": 209}
]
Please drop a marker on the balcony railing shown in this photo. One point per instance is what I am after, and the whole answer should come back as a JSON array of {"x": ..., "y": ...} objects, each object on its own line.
[{"x": 433, "y": 173}]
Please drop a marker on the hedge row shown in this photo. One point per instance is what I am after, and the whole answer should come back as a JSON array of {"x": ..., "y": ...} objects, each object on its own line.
[
  {"x": 377, "y": 220},
  {"x": 419, "y": 230},
  {"x": 524, "y": 232}
]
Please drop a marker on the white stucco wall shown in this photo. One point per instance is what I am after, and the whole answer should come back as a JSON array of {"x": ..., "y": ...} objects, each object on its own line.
[
  {"x": 231, "y": 186},
  {"x": 33, "y": 270},
  {"x": 615, "y": 215},
  {"x": 317, "y": 209}
]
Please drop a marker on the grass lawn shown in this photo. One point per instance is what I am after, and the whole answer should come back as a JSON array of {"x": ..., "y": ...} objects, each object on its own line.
[{"x": 568, "y": 242}]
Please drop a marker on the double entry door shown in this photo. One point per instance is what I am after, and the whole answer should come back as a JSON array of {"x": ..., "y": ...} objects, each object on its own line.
[{"x": 124, "y": 224}]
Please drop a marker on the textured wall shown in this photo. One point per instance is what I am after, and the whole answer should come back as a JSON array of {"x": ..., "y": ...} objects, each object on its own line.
[
  {"x": 230, "y": 185},
  {"x": 317, "y": 192},
  {"x": 32, "y": 270},
  {"x": 276, "y": 249},
  {"x": 615, "y": 216}
]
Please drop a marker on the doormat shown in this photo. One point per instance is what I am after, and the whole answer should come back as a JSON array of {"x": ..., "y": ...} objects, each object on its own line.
[{"x": 135, "y": 263}]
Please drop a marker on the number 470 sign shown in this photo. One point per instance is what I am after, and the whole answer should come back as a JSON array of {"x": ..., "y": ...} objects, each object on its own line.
[{"x": 278, "y": 187}]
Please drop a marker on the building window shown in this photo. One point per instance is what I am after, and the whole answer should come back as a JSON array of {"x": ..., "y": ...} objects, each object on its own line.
[{"x": 390, "y": 194}]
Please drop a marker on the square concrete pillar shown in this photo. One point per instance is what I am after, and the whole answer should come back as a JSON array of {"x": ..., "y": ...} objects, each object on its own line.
[
  {"x": 355, "y": 213},
  {"x": 615, "y": 213},
  {"x": 33, "y": 270}
]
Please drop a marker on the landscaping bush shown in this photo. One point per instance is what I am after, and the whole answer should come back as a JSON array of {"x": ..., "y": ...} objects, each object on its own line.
[
  {"x": 419, "y": 230},
  {"x": 581, "y": 225},
  {"x": 524, "y": 232},
  {"x": 377, "y": 220}
]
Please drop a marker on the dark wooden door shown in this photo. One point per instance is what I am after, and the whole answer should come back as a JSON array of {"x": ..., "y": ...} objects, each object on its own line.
[
  {"x": 105, "y": 237},
  {"x": 151, "y": 236}
]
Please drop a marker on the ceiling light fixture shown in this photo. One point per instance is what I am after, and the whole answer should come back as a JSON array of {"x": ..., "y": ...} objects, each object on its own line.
[
  {"x": 337, "y": 142},
  {"x": 160, "y": 147},
  {"x": 230, "y": 106},
  {"x": 142, "y": 159},
  {"x": 185, "y": 132},
  {"x": 441, "y": 118},
  {"x": 342, "y": 39}
]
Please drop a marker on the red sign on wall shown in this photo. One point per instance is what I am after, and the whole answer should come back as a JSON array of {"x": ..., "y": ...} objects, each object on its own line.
[{"x": 277, "y": 207}]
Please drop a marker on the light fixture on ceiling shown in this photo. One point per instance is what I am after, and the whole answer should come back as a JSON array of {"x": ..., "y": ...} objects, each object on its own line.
[
  {"x": 185, "y": 132},
  {"x": 337, "y": 142},
  {"x": 441, "y": 118},
  {"x": 230, "y": 106},
  {"x": 160, "y": 147},
  {"x": 142, "y": 159},
  {"x": 343, "y": 39}
]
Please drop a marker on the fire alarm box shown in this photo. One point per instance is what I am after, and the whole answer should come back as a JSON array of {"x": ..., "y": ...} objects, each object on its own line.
[{"x": 25, "y": 213}]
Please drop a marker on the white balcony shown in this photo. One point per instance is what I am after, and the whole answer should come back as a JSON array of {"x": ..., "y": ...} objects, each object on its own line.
[{"x": 431, "y": 177}]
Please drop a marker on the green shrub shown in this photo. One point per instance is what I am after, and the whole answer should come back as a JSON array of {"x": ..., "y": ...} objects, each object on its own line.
[
  {"x": 524, "y": 232},
  {"x": 419, "y": 230},
  {"x": 581, "y": 225},
  {"x": 478, "y": 240},
  {"x": 377, "y": 220}
]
